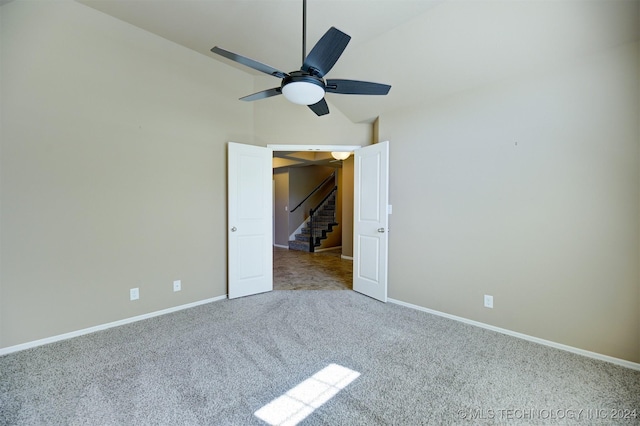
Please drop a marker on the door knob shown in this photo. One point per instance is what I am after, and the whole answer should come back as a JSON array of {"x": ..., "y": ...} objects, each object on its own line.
[
  {"x": 381, "y": 230},
  {"x": 234, "y": 229}
]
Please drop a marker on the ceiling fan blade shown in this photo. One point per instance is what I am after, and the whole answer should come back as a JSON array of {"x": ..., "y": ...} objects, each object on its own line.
[
  {"x": 258, "y": 66},
  {"x": 326, "y": 52},
  {"x": 264, "y": 94},
  {"x": 320, "y": 108},
  {"x": 355, "y": 87}
]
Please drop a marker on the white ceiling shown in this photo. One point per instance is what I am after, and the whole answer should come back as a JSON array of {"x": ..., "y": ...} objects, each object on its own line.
[{"x": 426, "y": 49}]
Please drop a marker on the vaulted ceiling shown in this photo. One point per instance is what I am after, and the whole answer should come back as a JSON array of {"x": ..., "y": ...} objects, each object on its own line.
[{"x": 426, "y": 49}]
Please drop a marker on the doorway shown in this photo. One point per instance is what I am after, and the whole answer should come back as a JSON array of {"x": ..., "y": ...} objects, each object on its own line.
[
  {"x": 302, "y": 179},
  {"x": 250, "y": 220},
  {"x": 311, "y": 164}
]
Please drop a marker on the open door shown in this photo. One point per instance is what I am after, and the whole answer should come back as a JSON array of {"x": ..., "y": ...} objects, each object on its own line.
[
  {"x": 250, "y": 220},
  {"x": 370, "y": 222}
]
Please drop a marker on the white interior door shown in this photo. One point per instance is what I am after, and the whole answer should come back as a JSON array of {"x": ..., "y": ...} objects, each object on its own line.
[
  {"x": 250, "y": 220},
  {"x": 371, "y": 222}
]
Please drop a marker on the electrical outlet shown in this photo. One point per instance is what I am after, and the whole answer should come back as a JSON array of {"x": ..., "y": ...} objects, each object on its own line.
[
  {"x": 134, "y": 294},
  {"x": 488, "y": 301},
  {"x": 177, "y": 285}
]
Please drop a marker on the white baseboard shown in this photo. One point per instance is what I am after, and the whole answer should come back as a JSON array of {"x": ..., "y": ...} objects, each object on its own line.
[
  {"x": 320, "y": 250},
  {"x": 346, "y": 257},
  {"x": 281, "y": 246},
  {"x": 65, "y": 336},
  {"x": 594, "y": 355}
]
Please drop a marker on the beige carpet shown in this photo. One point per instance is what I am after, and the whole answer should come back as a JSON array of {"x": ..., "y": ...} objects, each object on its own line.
[{"x": 298, "y": 270}]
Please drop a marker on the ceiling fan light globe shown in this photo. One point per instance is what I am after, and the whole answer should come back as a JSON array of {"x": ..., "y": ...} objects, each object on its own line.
[{"x": 303, "y": 92}]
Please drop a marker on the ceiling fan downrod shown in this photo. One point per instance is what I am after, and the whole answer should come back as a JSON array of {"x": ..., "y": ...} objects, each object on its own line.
[{"x": 304, "y": 30}]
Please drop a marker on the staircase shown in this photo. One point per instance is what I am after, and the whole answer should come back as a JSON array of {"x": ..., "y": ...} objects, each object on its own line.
[{"x": 319, "y": 224}]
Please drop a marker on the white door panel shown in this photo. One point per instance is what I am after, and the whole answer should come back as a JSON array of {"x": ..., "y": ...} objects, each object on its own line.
[
  {"x": 250, "y": 220},
  {"x": 369, "y": 268},
  {"x": 370, "y": 225}
]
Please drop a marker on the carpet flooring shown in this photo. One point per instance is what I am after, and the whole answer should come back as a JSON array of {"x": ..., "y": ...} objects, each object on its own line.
[{"x": 219, "y": 363}]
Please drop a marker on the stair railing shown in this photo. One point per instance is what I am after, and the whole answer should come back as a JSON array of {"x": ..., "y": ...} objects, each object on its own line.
[
  {"x": 316, "y": 189},
  {"x": 315, "y": 230}
]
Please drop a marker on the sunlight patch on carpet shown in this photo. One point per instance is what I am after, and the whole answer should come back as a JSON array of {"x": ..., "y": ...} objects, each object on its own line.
[{"x": 294, "y": 406}]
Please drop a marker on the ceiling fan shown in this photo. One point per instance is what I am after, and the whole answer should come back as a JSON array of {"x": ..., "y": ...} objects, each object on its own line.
[{"x": 307, "y": 86}]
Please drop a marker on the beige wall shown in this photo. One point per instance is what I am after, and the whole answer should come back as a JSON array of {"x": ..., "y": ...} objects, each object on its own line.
[
  {"x": 281, "y": 207},
  {"x": 529, "y": 191},
  {"x": 303, "y": 180},
  {"x": 113, "y": 169},
  {"x": 347, "y": 207}
]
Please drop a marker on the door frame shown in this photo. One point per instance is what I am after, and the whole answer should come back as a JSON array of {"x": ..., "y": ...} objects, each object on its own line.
[{"x": 317, "y": 148}]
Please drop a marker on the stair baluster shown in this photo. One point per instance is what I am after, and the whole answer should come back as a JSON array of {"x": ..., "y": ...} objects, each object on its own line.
[
  {"x": 321, "y": 219},
  {"x": 320, "y": 222},
  {"x": 312, "y": 239}
]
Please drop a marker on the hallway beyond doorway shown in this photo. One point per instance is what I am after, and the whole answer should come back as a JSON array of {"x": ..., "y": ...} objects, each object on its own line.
[{"x": 298, "y": 270}]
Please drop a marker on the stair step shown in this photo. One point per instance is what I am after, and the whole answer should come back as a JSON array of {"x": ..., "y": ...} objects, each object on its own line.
[
  {"x": 301, "y": 245},
  {"x": 298, "y": 245},
  {"x": 322, "y": 223},
  {"x": 326, "y": 210}
]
